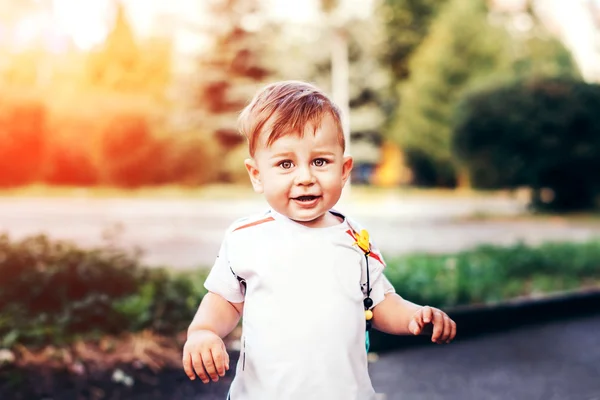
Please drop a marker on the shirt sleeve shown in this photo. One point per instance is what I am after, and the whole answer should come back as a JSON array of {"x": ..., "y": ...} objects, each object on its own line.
[
  {"x": 222, "y": 279},
  {"x": 380, "y": 288}
]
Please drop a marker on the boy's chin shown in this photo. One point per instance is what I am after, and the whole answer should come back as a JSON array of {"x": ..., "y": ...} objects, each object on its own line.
[{"x": 307, "y": 219}]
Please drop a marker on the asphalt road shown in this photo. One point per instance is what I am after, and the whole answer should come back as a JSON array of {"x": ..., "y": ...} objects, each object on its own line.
[
  {"x": 186, "y": 233},
  {"x": 553, "y": 361}
]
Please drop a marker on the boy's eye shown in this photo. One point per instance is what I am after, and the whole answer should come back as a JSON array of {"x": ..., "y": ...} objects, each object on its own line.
[
  {"x": 286, "y": 164},
  {"x": 320, "y": 162}
]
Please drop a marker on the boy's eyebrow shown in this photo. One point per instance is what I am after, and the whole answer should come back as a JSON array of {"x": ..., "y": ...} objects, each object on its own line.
[
  {"x": 324, "y": 152},
  {"x": 289, "y": 154},
  {"x": 283, "y": 154}
]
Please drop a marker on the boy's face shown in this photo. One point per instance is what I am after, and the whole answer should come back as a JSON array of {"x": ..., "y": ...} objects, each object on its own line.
[{"x": 302, "y": 177}]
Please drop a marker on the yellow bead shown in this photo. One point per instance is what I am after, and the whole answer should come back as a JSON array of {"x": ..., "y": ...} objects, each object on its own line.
[{"x": 368, "y": 314}]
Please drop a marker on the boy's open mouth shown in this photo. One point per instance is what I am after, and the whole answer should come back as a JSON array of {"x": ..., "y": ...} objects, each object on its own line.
[{"x": 306, "y": 198}]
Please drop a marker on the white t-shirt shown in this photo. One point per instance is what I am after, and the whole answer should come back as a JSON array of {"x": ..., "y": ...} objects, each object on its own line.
[{"x": 303, "y": 322}]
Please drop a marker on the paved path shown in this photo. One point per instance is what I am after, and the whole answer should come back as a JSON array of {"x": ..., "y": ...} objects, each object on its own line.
[
  {"x": 554, "y": 361},
  {"x": 186, "y": 233}
]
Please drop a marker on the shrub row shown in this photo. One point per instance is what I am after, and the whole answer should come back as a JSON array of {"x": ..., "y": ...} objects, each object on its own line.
[
  {"x": 54, "y": 292},
  {"x": 109, "y": 140},
  {"x": 489, "y": 274}
]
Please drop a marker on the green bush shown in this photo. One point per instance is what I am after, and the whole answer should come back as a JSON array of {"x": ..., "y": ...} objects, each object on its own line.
[
  {"x": 489, "y": 274},
  {"x": 53, "y": 291},
  {"x": 544, "y": 134}
]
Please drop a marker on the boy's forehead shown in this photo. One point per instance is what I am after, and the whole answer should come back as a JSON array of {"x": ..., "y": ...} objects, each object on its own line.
[{"x": 320, "y": 129}]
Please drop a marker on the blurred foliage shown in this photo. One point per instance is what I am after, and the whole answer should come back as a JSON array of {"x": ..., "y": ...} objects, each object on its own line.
[
  {"x": 233, "y": 167},
  {"x": 490, "y": 274},
  {"x": 460, "y": 48},
  {"x": 137, "y": 111},
  {"x": 112, "y": 140},
  {"x": 125, "y": 64},
  {"x": 54, "y": 291},
  {"x": 465, "y": 48},
  {"x": 407, "y": 23},
  {"x": 305, "y": 53},
  {"x": 234, "y": 67},
  {"x": 99, "y": 118},
  {"x": 544, "y": 134},
  {"x": 23, "y": 139},
  {"x": 128, "y": 151}
]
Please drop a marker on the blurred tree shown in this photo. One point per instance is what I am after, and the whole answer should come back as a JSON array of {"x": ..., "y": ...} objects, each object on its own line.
[
  {"x": 368, "y": 81},
  {"x": 543, "y": 55},
  {"x": 69, "y": 160},
  {"x": 128, "y": 153},
  {"x": 467, "y": 46},
  {"x": 535, "y": 52},
  {"x": 21, "y": 69},
  {"x": 233, "y": 68},
  {"x": 340, "y": 79},
  {"x": 461, "y": 49},
  {"x": 544, "y": 134},
  {"x": 22, "y": 139},
  {"x": 124, "y": 64},
  {"x": 406, "y": 22}
]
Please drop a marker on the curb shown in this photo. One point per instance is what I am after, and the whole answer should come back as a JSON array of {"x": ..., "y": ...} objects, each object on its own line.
[{"x": 478, "y": 320}]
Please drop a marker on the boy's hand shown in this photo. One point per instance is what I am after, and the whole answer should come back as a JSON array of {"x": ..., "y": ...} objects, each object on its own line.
[
  {"x": 205, "y": 355},
  {"x": 444, "y": 329}
]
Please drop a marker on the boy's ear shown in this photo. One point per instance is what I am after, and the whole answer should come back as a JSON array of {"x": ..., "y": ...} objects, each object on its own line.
[
  {"x": 346, "y": 168},
  {"x": 254, "y": 174}
]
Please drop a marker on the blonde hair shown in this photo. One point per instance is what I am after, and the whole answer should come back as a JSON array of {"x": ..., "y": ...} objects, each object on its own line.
[{"x": 287, "y": 106}]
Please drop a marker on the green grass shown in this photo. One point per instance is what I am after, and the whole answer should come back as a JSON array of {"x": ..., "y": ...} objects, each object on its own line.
[{"x": 490, "y": 274}]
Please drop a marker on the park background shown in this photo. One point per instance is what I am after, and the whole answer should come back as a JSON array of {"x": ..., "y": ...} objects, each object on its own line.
[{"x": 474, "y": 125}]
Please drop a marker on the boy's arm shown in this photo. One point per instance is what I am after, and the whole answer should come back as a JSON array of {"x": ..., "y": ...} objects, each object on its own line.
[
  {"x": 204, "y": 353},
  {"x": 216, "y": 315},
  {"x": 393, "y": 315},
  {"x": 397, "y": 316}
]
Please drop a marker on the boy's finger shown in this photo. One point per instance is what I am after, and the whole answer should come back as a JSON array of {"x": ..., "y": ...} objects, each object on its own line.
[
  {"x": 199, "y": 368},
  {"x": 453, "y": 331},
  {"x": 447, "y": 329},
  {"x": 226, "y": 357},
  {"x": 445, "y": 332},
  {"x": 438, "y": 326},
  {"x": 209, "y": 365},
  {"x": 427, "y": 313},
  {"x": 414, "y": 327},
  {"x": 219, "y": 359},
  {"x": 187, "y": 366}
]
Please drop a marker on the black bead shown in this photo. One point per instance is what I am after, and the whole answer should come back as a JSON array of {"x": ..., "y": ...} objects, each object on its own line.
[
  {"x": 369, "y": 325},
  {"x": 368, "y": 303}
]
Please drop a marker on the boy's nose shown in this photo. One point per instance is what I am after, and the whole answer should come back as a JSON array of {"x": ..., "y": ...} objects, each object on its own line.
[{"x": 305, "y": 176}]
